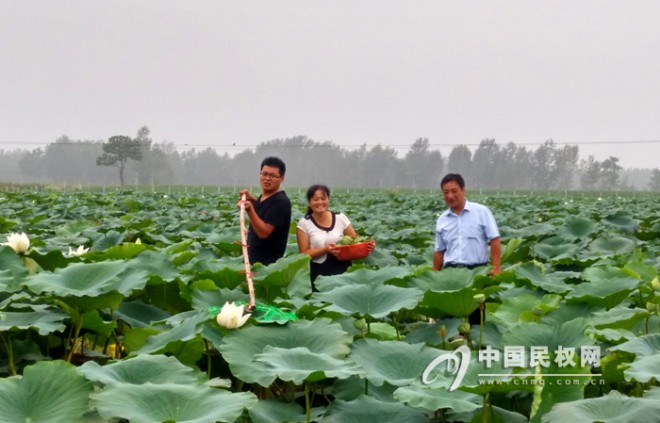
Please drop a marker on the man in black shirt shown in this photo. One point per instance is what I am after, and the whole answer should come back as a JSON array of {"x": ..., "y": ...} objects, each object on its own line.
[{"x": 269, "y": 214}]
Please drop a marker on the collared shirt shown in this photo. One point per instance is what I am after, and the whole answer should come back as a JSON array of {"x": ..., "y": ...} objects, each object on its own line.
[{"x": 464, "y": 237}]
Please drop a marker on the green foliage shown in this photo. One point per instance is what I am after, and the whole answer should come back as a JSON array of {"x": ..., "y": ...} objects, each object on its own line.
[
  {"x": 614, "y": 407},
  {"x": 132, "y": 317},
  {"x": 48, "y": 391}
]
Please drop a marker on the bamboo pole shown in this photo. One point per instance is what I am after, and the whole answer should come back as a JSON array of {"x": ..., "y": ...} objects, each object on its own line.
[{"x": 246, "y": 260}]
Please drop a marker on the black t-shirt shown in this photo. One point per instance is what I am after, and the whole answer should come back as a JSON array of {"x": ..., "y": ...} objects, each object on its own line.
[{"x": 274, "y": 210}]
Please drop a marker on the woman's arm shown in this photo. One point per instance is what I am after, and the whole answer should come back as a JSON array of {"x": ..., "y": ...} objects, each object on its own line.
[
  {"x": 305, "y": 248},
  {"x": 350, "y": 231}
]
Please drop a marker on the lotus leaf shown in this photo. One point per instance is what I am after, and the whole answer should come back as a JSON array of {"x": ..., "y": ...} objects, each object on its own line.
[
  {"x": 536, "y": 230},
  {"x": 93, "y": 321},
  {"x": 451, "y": 291},
  {"x": 652, "y": 393},
  {"x": 106, "y": 240},
  {"x": 288, "y": 273},
  {"x": 88, "y": 279},
  {"x": 551, "y": 391},
  {"x": 319, "y": 336},
  {"x": 577, "y": 227},
  {"x": 513, "y": 309},
  {"x": 383, "y": 331},
  {"x": 622, "y": 221},
  {"x": 612, "y": 408},
  {"x": 362, "y": 277},
  {"x": 353, "y": 387},
  {"x": 45, "y": 321},
  {"x": 124, "y": 251},
  {"x": 139, "y": 315},
  {"x": 395, "y": 362},
  {"x": 365, "y": 409},
  {"x": 550, "y": 282},
  {"x": 570, "y": 334},
  {"x": 155, "y": 264},
  {"x": 618, "y": 317},
  {"x": 556, "y": 250},
  {"x": 644, "y": 369},
  {"x": 50, "y": 261},
  {"x": 156, "y": 369},
  {"x": 300, "y": 364},
  {"x": 432, "y": 399},
  {"x": 13, "y": 269},
  {"x": 184, "y": 327},
  {"x": 494, "y": 414},
  {"x": 369, "y": 300},
  {"x": 272, "y": 411},
  {"x": 48, "y": 391},
  {"x": 607, "y": 287},
  {"x": 607, "y": 246},
  {"x": 643, "y": 346},
  {"x": 149, "y": 402}
]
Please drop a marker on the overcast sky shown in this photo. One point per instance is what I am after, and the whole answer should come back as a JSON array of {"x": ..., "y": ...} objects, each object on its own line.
[{"x": 201, "y": 73}]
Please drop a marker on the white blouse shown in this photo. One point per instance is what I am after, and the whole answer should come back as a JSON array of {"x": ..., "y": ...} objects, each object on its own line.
[{"x": 320, "y": 236}]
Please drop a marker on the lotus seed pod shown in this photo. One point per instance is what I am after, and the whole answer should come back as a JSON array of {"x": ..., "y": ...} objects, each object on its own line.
[
  {"x": 442, "y": 331},
  {"x": 655, "y": 283},
  {"x": 464, "y": 328},
  {"x": 480, "y": 298},
  {"x": 360, "y": 324}
]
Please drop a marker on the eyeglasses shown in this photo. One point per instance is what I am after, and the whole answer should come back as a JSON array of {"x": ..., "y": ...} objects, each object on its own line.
[{"x": 267, "y": 175}]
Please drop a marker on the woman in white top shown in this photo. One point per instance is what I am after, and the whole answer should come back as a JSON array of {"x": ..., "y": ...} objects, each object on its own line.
[{"x": 318, "y": 232}]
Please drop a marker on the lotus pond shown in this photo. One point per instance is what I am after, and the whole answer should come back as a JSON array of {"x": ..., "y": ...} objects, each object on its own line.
[{"x": 106, "y": 317}]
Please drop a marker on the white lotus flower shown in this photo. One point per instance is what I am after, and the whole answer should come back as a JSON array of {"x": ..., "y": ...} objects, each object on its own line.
[
  {"x": 18, "y": 242},
  {"x": 231, "y": 316},
  {"x": 78, "y": 252}
]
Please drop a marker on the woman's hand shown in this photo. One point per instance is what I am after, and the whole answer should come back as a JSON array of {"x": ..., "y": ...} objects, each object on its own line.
[
  {"x": 331, "y": 249},
  {"x": 371, "y": 246}
]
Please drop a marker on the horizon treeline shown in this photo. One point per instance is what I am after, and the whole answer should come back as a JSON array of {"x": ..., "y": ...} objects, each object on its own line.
[{"x": 490, "y": 166}]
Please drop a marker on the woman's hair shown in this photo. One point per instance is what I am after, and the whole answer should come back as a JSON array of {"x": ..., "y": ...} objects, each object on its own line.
[{"x": 310, "y": 193}]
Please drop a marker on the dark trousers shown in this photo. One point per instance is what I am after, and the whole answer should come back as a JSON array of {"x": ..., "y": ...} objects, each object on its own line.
[
  {"x": 331, "y": 266},
  {"x": 460, "y": 265}
]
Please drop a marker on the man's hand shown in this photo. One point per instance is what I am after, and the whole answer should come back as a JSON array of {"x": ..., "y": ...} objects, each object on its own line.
[
  {"x": 247, "y": 204},
  {"x": 248, "y": 195},
  {"x": 249, "y": 199}
]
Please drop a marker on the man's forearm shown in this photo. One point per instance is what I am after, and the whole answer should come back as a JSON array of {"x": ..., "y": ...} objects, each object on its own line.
[
  {"x": 438, "y": 260},
  {"x": 496, "y": 254}
]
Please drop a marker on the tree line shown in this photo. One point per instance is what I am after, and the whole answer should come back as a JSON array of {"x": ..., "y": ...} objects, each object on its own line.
[{"x": 138, "y": 160}]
